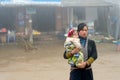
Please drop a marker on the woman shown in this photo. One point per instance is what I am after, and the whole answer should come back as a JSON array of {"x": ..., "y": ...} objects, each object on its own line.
[{"x": 84, "y": 71}]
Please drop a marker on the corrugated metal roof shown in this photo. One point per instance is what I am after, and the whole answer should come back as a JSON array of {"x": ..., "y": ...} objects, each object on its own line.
[
  {"x": 85, "y": 3},
  {"x": 30, "y": 2},
  {"x": 115, "y": 2},
  {"x": 63, "y": 3}
]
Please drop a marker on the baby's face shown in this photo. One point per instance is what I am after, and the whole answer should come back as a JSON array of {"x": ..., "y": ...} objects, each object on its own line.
[{"x": 75, "y": 34}]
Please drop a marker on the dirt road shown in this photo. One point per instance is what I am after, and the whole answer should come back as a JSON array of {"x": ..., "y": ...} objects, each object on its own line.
[{"x": 47, "y": 63}]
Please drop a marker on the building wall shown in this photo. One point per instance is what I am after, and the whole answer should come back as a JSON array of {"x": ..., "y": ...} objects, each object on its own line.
[
  {"x": 91, "y": 13},
  {"x": 58, "y": 19}
]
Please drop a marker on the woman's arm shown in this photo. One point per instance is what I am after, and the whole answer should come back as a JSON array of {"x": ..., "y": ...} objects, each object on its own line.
[
  {"x": 67, "y": 55},
  {"x": 92, "y": 53}
]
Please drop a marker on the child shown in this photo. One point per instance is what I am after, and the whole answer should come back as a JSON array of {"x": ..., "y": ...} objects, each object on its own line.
[{"x": 72, "y": 42}]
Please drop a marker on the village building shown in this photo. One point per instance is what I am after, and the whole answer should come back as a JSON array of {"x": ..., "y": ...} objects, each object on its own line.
[{"x": 53, "y": 16}]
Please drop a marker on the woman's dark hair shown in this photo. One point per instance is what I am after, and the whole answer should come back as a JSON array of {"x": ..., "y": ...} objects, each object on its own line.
[{"x": 81, "y": 26}]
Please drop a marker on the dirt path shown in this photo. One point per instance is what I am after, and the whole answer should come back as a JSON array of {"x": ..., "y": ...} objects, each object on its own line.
[{"x": 47, "y": 63}]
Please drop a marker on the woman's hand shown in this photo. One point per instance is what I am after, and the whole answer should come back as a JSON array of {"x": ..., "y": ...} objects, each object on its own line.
[
  {"x": 82, "y": 65},
  {"x": 76, "y": 50}
]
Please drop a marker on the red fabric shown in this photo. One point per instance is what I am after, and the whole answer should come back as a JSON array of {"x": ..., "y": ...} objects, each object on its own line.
[
  {"x": 70, "y": 33},
  {"x": 4, "y": 30}
]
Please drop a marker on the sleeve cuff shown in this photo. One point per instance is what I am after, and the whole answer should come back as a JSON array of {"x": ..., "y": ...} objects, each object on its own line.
[{"x": 90, "y": 60}]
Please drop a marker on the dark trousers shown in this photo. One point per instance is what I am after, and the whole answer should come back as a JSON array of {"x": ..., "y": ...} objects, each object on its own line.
[{"x": 81, "y": 74}]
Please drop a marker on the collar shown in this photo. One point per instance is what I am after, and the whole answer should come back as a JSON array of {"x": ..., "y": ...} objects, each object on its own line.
[
  {"x": 82, "y": 38},
  {"x": 82, "y": 41}
]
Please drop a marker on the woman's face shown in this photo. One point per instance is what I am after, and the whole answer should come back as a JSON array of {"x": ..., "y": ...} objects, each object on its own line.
[{"x": 84, "y": 32}]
